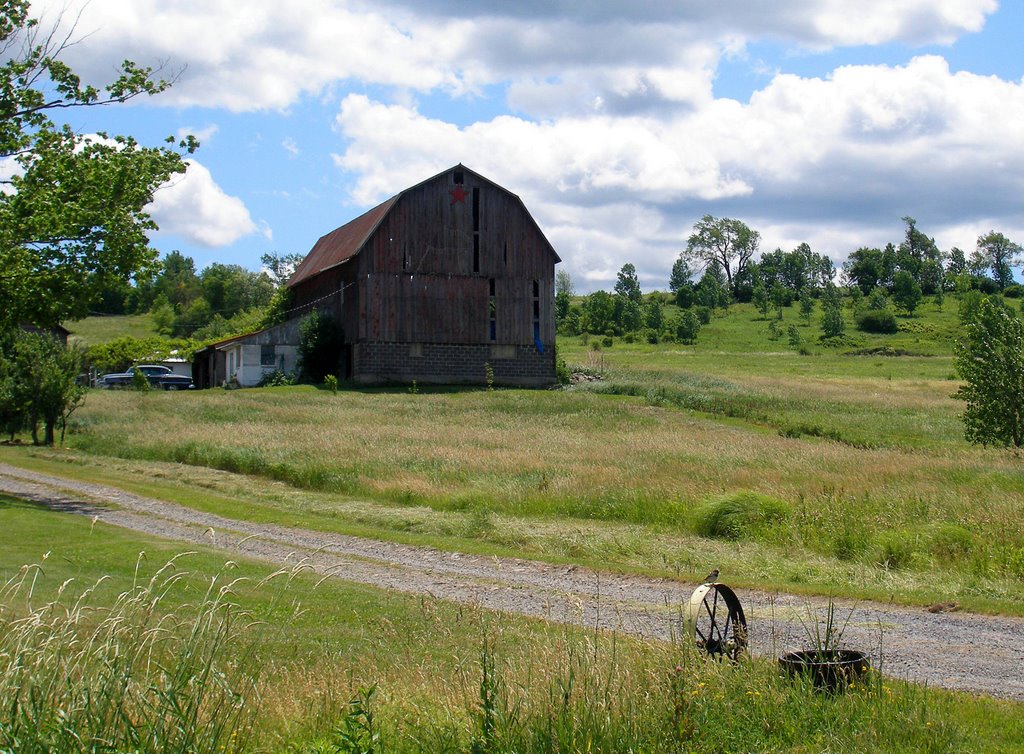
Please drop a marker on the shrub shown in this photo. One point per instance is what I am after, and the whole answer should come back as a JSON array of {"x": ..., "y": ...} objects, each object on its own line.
[
  {"x": 277, "y": 378},
  {"x": 878, "y": 300},
  {"x": 1013, "y": 290},
  {"x": 140, "y": 381},
  {"x": 741, "y": 515},
  {"x": 990, "y": 360},
  {"x": 320, "y": 343},
  {"x": 795, "y": 341},
  {"x": 896, "y": 549},
  {"x": 607, "y": 341},
  {"x": 950, "y": 543},
  {"x": 703, "y": 314},
  {"x": 687, "y": 327},
  {"x": 562, "y": 373},
  {"x": 877, "y": 321}
]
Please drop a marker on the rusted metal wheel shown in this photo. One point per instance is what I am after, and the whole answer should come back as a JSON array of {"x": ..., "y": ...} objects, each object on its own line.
[{"x": 715, "y": 620}]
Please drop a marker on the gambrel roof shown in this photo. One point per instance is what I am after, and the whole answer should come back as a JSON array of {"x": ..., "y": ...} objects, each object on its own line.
[{"x": 343, "y": 243}]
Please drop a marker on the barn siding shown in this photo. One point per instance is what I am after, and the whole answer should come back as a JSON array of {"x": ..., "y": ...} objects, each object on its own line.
[
  {"x": 421, "y": 285},
  {"x": 413, "y": 282}
]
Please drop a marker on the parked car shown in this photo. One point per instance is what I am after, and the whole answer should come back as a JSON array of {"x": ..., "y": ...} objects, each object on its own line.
[{"x": 157, "y": 375}]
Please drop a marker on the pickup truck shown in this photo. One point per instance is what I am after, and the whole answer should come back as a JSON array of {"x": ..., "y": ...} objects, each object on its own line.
[{"x": 157, "y": 375}]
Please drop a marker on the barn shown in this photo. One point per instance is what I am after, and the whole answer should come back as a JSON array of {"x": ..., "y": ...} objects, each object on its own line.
[{"x": 449, "y": 281}]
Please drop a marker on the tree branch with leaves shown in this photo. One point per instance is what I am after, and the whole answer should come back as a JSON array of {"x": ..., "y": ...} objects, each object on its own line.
[{"x": 73, "y": 216}]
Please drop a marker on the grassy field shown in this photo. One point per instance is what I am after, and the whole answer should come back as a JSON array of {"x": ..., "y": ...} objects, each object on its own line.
[
  {"x": 326, "y": 666},
  {"x": 93, "y": 330},
  {"x": 839, "y": 470}
]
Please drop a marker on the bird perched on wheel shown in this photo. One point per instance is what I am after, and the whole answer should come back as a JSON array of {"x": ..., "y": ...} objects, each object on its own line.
[{"x": 712, "y": 577}]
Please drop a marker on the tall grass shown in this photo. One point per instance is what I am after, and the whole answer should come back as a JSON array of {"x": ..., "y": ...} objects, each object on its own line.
[
  {"x": 80, "y": 675},
  {"x": 583, "y": 695}
]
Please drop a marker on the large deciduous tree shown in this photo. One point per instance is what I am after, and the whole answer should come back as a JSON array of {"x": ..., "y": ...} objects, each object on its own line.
[
  {"x": 727, "y": 242},
  {"x": 1000, "y": 255},
  {"x": 990, "y": 360},
  {"x": 72, "y": 216}
]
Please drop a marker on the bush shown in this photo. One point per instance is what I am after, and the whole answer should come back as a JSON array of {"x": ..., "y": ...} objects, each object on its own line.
[
  {"x": 685, "y": 296},
  {"x": 703, "y": 314},
  {"x": 896, "y": 549},
  {"x": 878, "y": 300},
  {"x": 877, "y": 321},
  {"x": 277, "y": 378},
  {"x": 320, "y": 343},
  {"x": 949, "y": 543},
  {"x": 1013, "y": 291},
  {"x": 687, "y": 327},
  {"x": 742, "y": 515},
  {"x": 562, "y": 373}
]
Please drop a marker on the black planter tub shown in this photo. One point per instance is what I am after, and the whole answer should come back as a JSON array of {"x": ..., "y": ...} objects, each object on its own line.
[{"x": 830, "y": 669}]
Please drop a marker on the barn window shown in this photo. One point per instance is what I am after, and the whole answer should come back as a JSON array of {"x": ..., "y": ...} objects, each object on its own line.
[
  {"x": 458, "y": 177},
  {"x": 267, "y": 356},
  {"x": 416, "y": 350},
  {"x": 476, "y": 252},
  {"x": 405, "y": 259}
]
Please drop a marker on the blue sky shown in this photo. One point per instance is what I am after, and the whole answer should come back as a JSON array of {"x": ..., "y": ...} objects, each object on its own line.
[{"x": 619, "y": 123}]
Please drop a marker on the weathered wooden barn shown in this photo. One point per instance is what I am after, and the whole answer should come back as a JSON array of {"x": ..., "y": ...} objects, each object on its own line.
[{"x": 440, "y": 280}]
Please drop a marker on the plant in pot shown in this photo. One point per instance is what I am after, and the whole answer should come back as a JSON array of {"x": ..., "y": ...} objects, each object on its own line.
[{"x": 829, "y": 666}]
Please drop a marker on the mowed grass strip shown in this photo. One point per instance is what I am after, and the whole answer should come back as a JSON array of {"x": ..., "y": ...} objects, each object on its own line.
[{"x": 449, "y": 678}]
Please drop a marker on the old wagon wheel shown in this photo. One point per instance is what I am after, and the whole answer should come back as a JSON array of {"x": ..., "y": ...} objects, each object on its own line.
[{"x": 715, "y": 620}]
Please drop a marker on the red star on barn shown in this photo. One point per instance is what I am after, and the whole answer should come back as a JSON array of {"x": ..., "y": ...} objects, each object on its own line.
[{"x": 459, "y": 194}]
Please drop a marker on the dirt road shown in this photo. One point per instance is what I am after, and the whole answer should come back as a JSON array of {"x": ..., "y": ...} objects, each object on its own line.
[{"x": 953, "y": 650}]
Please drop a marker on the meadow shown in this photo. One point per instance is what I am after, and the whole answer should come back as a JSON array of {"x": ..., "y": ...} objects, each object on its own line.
[
  {"x": 838, "y": 472},
  {"x": 839, "y": 469}
]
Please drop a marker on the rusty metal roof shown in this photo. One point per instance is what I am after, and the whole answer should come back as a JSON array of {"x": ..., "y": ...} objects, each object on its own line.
[{"x": 340, "y": 244}]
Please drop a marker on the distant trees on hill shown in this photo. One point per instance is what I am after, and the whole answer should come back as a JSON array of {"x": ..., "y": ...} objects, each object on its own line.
[
  {"x": 221, "y": 300},
  {"x": 717, "y": 268}
]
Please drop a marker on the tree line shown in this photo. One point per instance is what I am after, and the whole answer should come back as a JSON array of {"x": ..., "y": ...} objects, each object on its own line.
[
  {"x": 718, "y": 267},
  {"x": 219, "y": 301}
]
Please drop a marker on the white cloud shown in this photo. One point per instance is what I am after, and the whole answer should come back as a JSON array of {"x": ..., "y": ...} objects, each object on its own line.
[
  {"x": 835, "y": 162},
  {"x": 617, "y": 143},
  {"x": 627, "y": 54},
  {"x": 195, "y": 207}
]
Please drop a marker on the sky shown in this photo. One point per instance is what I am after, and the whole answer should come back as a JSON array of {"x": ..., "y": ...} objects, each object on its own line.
[{"x": 619, "y": 123}]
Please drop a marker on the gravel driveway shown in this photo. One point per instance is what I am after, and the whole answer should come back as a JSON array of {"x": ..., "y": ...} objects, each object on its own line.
[{"x": 953, "y": 649}]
